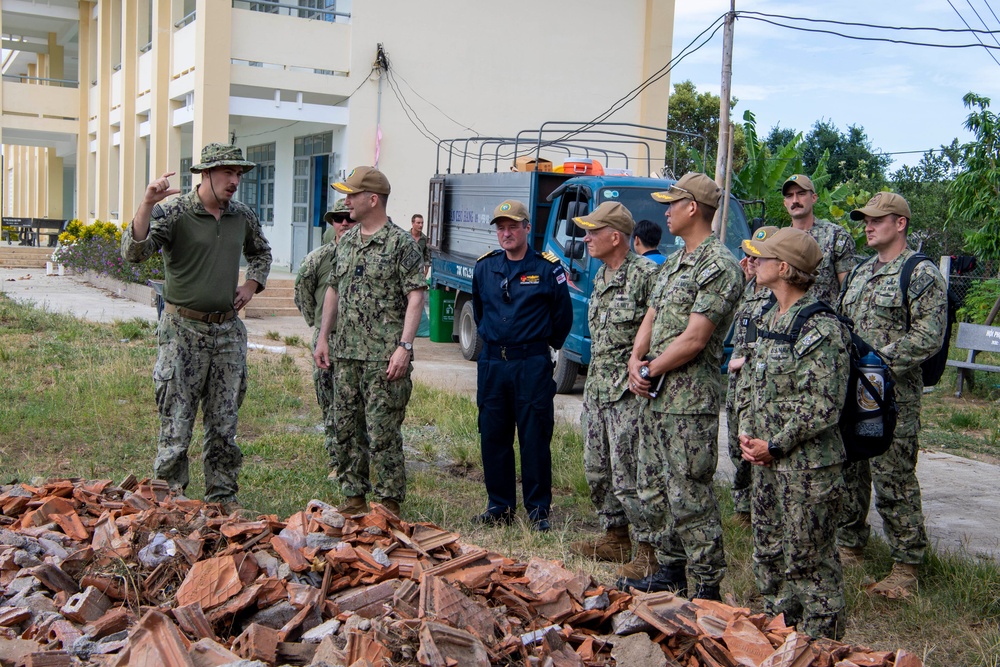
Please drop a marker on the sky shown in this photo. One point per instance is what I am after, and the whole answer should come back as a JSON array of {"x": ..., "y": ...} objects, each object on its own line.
[{"x": 907, "y": 98}]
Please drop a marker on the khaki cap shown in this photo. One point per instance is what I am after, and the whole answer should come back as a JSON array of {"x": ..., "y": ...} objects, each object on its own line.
[
  {"x": 789, "y": 245},
  {"x": 339, "y": 210},
  {"x": 512, "y": 209},
  {"x": 693, "y": 185},
  {"x": 759, "y": 235},
  {"x": 883, "y": 203},
  {"x": 363, "y": 179},
  {"x": 800, "y": 180},
  {"x": 221, "y": 155},
  {"x": 609, "y": 214}
]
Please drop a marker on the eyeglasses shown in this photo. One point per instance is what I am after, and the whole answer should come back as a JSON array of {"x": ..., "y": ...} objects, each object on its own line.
[{"x": 505, "y": 290}]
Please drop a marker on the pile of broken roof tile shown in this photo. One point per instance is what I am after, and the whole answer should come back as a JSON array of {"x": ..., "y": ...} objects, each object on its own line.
[{"x": 97, "y": 574}]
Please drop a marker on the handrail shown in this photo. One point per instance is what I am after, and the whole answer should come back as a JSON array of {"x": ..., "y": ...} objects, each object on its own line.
[
  {"x": 61, "y": 82},
  {"x": 184, "y": 21},
  {"x": 299, "y": 9}
]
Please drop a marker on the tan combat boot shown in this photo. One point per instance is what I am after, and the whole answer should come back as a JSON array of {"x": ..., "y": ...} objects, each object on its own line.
[
  {"x": 355, "y": 505},
  {"x": 391, "y": 505},
  {"x": 643, "y": 565},
  {"x": 851, "y": 556},
  {"x": 901, "y": 582},
  {"x": 613, "y": 546}
]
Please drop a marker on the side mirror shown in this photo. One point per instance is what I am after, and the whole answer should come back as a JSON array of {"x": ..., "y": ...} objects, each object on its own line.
[{"x": 574, "y": 249}]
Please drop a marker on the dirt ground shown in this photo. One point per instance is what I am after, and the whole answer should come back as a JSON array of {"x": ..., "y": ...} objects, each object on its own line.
[{"x": 961, "y": 504}]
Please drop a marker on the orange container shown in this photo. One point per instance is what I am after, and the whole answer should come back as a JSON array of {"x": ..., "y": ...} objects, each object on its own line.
[{"x": 583, "y": 166}]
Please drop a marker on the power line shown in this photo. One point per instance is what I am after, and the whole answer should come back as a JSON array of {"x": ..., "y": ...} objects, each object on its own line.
[
  {"x": 969, "y": 2},
  {"x": 865, "y": 25},
  {"x": 970, "y": 27},
  {"x": 403, "y": 79},
  {"x": 987, "y": 3}
]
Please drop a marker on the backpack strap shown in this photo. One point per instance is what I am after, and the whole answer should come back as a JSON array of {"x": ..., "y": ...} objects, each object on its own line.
[
  {"x": 905, "y": 274},
  {"x": 850, "y": 276},
  {"x": 800, "y": 319}
]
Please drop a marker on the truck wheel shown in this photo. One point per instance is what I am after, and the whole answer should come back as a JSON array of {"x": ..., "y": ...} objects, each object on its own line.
[
  {"x": 468, "y": 336},
  {"x": 565, "y": 371}
]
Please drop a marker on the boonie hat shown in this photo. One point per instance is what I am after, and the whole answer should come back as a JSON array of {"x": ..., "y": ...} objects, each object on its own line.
[
  {"x": 883, "y": 203},
  {"x": 512, "y": 209},
  {"x": 759, "y": 235},
  {"x": 693, "y": 185},
  {"x": 340, "y": 210},
  {"x": 609, "y": 214},
  {"x": 363, "y": 179},
  {"x": 800, "y": 180},
  {"x": 789, "y": 245},
  {"x": 221, "y": 155}
]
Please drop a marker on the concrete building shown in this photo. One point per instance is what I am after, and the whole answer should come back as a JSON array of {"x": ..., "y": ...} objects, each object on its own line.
[{"x": 98, "y": 96}]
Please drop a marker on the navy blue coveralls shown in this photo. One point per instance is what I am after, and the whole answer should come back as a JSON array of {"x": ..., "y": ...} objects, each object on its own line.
[{"x": 522, "y": 308}]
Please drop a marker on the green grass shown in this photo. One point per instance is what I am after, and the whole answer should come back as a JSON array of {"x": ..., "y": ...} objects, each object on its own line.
[{"x": 76, "y": 400}]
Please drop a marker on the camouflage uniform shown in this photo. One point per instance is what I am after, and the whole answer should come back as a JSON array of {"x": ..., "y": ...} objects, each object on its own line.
[
  {"x": 201, "y": 362},
  {"x": 611, "y": 412},
  {"x": 372, "y": 277},
  {"x": 425, "y": 250},
  {"x": 838, "y": 257},
  {"x": 310, "y": 291},
  {"x": 750, "y": 306},
  {"x": 678, "y": 435},
  {"x": 874, "y": 301},
  {"x": 792, "y": 400}
]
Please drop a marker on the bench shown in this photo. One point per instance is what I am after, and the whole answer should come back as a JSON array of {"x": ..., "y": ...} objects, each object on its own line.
[
  {"x": 51, "y": 228},
  {"x": 975, "y": 338},
  {"x": 16, "y": 229}
]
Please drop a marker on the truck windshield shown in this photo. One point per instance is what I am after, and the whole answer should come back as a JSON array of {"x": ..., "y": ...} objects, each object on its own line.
[{"x": 643, "y": 207}]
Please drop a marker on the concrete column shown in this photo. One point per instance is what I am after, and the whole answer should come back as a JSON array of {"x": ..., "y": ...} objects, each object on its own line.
[
  {"x": 213, "y": 46},
  {"x": 31, "y": 169},
  {"x": 105, "y": 69},
  {"x": 83, "y": 135},
  {"x": 127, "y": 145},
  {"x": 54, "y": 184},
  {"x": 160, "y": 157},
  {"x": 56, "y": 59},
  {"x": 657, "y": 46},
  {"x": 20, "y": 188}
]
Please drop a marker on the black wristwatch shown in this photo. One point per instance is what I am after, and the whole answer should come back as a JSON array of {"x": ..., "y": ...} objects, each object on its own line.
[
  {"x": 775, "y": 451},
  {"x": 406, "y": 346}
]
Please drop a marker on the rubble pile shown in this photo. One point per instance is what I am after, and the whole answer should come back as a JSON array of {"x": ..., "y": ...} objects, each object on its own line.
[{"x": 98, "y": 574}]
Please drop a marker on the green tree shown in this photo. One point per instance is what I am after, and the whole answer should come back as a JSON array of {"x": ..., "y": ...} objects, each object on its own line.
[
  {"x": 765, "y": 169},
  {"x": 697, "y": 113},
  {"x": 851, "y": 155},
  {"x": 926, "y": 187}
]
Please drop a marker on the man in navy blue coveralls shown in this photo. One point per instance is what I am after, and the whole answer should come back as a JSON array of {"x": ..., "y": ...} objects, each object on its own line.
[{"x": 522, "y": 308}]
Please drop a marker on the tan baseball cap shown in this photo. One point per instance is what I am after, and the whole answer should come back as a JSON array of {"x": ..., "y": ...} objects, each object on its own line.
[
  {"x": 693, "y": 185},
  {"x": 512, "y": 209},
  {"x": 759, "y": 235},
  {"x": 800, "y": 180},
  {"x": 609, "y": 214},
  {"x": 363, "y": 179},
  {"x": 789, "y": 245},
  {"x": 883, "y": 203}
]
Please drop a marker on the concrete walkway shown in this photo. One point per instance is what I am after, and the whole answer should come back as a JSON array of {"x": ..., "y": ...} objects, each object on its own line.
[{"x": 961, "y": 502}]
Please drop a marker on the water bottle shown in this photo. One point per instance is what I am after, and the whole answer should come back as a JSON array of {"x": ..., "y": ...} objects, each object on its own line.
[{"x": 874, "y": 370}]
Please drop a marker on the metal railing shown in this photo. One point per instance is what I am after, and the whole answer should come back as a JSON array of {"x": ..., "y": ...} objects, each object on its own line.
[
  {"x": 62, "y": 83},
  {"x": 184, "y": 21},
  {"x": 312, "y": 13}
]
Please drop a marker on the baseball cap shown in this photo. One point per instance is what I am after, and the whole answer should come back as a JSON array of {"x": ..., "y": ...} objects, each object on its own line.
[
  {"x": 883, "y": 203},
  {"x": 759, "y": 235},
  {"x": 511, "y": 208},
  {"x": 609, "y": 214},
  {"x": 789, "y": 245},
  {"x": 693, "y": 185},
  {"x": 363, "y": 179},
  {"x": 800, "y": 180},
  {"x": 339, "y": 210}
]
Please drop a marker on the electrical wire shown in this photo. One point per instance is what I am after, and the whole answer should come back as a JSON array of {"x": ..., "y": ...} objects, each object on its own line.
[
  {"x": 969, "y": 2},
  {"x": 866, "y": 25},
  {"x": 443, "y": 113},
  {"x": 970, "y": 27}
]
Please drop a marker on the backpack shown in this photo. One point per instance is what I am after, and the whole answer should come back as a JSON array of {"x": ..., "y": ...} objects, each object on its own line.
[
  {"x": 860, "y": 442},
  {"x": 933, "y": 366}
]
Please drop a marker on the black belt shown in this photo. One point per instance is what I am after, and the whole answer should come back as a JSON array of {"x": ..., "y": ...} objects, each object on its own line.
[
  {"x": 511, "y": 352},
  {"x": 212, "y": 318}
]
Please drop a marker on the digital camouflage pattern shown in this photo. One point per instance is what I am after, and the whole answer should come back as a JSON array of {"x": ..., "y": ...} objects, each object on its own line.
[
  {"x": 365, "y": 399},
  {"x": 677, "y": 456},
  {"x": 751, "y": 304},
  {"x": 792, "y": 399},
  {"x": 838, "y": 249},
  {"x": 874, "y": 301},
  {"x": 200, "y": 363},
  {"x": 372, "y": 278},
  {"x": 707, "y": 281},
  {"x": 425, "y": 250},
  {"x": 610, "y": 416}
]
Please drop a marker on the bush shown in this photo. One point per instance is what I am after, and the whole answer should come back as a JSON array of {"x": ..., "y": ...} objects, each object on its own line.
[
  {"x": 97, "y": 248},
  {"x": 979, "y": 301}
]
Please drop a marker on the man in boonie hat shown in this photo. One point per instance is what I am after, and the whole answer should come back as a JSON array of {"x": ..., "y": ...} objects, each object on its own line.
[
  {"x": 339, "y": 221},
  {"x": 681, "y": 338},
  {"x": 907, "y": 328},
  {"x": 521, "y": 305},
  {"x": 834, "y": 241},
  {"x": 610, "y": 411},
  {"x": 203, "y": 344},
  {"x": 372, "y": 308}
]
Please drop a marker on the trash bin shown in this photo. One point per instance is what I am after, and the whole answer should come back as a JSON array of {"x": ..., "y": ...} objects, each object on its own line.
[{"x": 442, "y": 315}]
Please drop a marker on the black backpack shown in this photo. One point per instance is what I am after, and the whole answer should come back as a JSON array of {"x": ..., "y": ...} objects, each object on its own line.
[
  {"x": 860, "y": 442},
  {"x": 933, "y": 366}
]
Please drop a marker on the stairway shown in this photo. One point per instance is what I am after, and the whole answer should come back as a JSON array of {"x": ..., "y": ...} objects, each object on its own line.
[
  {"x": 23, "y": 257},
  {"x": 278, "y": 300}
]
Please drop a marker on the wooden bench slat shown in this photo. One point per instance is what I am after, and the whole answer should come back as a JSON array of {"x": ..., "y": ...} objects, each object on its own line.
[{"x": 973, "y": 367}]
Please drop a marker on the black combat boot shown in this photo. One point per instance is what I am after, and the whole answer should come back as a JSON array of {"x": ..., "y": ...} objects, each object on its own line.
[
  {"x": 671, "y": 578},
  {"x": 708, "y": 592}
]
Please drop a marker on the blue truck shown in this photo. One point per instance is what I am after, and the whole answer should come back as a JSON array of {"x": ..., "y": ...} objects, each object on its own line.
[{"x": 461, "y": 207}]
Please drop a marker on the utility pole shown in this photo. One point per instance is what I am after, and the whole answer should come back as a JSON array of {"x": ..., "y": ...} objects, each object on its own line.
[{"x": 725, "y": 95}]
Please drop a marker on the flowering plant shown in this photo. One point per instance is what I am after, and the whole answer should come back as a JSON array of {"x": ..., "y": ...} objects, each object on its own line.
[{"x": 97, "y": 247}]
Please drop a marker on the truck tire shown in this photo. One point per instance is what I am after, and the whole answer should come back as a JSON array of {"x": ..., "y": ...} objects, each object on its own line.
[
  {"x": 468, "y": 336},
  {"x": 565, "y": 371}
]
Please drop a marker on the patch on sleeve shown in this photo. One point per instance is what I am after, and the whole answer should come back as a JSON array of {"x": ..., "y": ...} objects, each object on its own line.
[
  {"x": 808, "y": 341},
  {"x": 841, "y": 242},
  {"x": 709, "y": 272},
  {"x": 490, "y": 254},
  {"x": 561, "y": 277},
  {"x": 411, "y": 258},
  {"x": 919, "y": 283}
]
